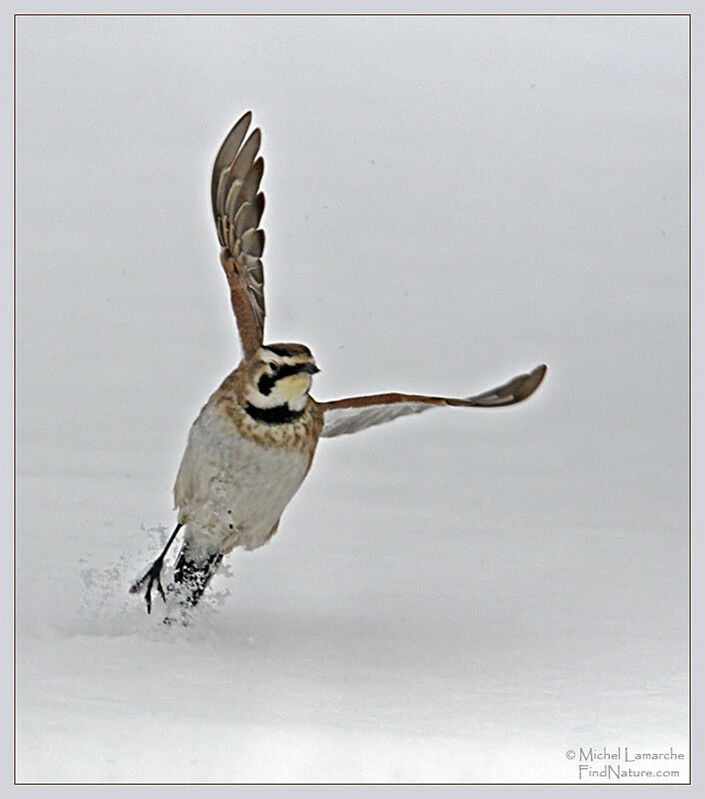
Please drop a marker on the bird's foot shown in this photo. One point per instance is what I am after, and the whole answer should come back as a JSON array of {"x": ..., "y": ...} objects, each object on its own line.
[{"x": 151, "y": 576}]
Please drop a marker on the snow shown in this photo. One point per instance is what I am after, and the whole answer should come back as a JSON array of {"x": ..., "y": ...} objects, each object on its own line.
[{"x": 462, "y": 596}]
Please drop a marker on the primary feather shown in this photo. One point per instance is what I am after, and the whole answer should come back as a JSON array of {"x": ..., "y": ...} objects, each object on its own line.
[{"x": 237, "y": 208}]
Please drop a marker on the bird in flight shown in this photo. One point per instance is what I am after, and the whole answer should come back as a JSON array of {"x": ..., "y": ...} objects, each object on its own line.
[{"x": 253, "y": 442}]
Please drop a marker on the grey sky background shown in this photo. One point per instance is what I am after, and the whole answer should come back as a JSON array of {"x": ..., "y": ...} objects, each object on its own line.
[
  {"x": 533, "y": 178},
  {"x": 450, "y": 202}
]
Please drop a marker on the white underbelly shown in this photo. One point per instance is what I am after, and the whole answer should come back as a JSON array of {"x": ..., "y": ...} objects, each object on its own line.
[{"x": 230, "y": 491}]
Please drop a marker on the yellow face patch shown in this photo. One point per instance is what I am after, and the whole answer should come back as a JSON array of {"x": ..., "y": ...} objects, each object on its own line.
[{"x": 293, "y": 386}]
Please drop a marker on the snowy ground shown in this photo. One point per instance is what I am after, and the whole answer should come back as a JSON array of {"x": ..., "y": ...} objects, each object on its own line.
[{"x": 463, "y": 596}]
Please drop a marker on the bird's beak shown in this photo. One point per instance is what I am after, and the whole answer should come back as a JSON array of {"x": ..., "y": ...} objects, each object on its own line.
[{"x": 310, "y": 368}]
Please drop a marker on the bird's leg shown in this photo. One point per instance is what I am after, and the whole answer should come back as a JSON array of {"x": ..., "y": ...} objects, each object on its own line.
[
  {"x": 191, "y": 578},
  {"x": 153, "y": 574}
]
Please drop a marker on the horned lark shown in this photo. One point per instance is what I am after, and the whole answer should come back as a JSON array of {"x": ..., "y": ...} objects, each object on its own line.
[{"x": 254, "y": 440}]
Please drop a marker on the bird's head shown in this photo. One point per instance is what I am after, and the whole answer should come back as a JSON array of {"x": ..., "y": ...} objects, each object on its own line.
[{"x": 280, "y": 375}]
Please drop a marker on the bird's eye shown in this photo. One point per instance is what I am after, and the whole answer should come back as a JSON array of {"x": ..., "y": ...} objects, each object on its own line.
[{"x": 273, "y": 367}]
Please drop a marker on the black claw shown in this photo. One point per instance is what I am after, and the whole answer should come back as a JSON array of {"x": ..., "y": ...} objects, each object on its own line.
[
  {"x": 135, "y": 587},
  {"x": 154, "y": 573},
  {"x": 160, "y": 588}
]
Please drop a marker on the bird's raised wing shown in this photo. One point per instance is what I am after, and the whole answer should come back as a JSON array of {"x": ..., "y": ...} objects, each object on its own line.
[
  {"x": 237, "y": 207},
  {"x": 357, "y": 413}
]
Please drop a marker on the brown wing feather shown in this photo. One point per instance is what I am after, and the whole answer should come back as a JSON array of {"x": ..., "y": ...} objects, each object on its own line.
[
  {"x": 237, "y": 208},
  {"x": 357, "y": 413}
]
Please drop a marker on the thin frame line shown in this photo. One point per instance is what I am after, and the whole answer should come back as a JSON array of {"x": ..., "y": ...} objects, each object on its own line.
[
  {"x": 14, "y": 365},
  {"x": 14, "y": 397},
  {"x": 346, "y": 14},
  {"x": 690, "y": 399}
]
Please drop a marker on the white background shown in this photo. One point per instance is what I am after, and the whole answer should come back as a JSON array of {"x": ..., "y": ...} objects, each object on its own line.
[{"x": 458, "y": 597}]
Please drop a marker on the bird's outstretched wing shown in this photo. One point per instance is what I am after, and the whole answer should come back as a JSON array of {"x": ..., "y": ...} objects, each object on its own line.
[
  {"x": 357, "y": 413},
  {"x": 237, "y": 207}
]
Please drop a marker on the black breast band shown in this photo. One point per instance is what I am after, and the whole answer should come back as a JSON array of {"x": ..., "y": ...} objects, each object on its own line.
[{"x": 279, "y": 415}]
